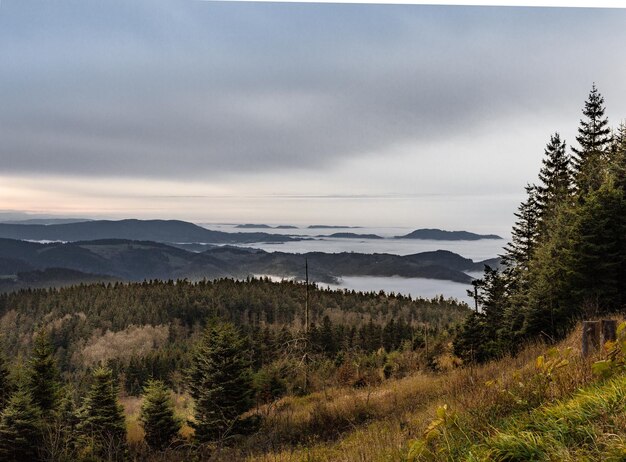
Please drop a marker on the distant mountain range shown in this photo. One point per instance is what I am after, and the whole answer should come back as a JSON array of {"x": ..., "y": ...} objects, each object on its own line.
[
  {"x": 45, "y": 221},
  {"x": 152, "y": 230},
  {"x": 23, "y": 264},
  {"x": 441, "y": 235},
  {"x": 176, "y": 231}
]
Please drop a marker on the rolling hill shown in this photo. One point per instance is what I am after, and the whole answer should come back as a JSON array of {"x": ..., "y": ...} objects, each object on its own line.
[
  {"x": 442, "y": 235},
  {"x": 139, "y": 260},
  {"x": 151, "y": 230}
]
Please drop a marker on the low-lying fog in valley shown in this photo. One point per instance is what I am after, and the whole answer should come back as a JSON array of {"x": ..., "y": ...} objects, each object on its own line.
[{"x": 416, "y": 287}]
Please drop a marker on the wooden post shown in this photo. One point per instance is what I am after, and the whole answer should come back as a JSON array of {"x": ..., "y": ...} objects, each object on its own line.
[
  {"x": 591, "y": 337},
  {"x": 609, "y": 330}
]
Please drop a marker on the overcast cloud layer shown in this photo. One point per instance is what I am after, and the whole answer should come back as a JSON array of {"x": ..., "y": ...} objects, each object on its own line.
[{"x": 242, "y": 111}]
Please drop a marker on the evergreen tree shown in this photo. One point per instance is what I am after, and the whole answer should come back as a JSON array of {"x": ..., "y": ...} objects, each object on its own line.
[
  {"x": 20, "y": 429},
  {"x": 525, "y": 232},
  {"x": 220, "y": 383},
  {"x": 581, "y": 268},
  {"x": 545, "y": 309},
  {"x": 482, "y": 335},
  {"x": 469, "y": 343},
  {"x": 556, "y": 178},
  {"x": 6, "y": 385},
  {"x": 597, "y": 251},
  {"x": 618, "y": 157},
  {"x": 594, "y": 139},
  {"x": 157, "y": 416},
  {"x": 102, "y": 417},
  {"x": 43, "y": 378},
  {"x": 327, "y": 337}
]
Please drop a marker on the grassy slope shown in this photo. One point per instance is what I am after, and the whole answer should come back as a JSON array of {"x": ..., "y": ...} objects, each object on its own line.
[
  {"x": 507, "y": 410},
  {"x": 492, "y": 411},
  {"x": 589, "y": 426}
]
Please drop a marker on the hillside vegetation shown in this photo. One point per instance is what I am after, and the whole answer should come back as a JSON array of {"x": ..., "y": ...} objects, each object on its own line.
[
  {"x": 22, "y": 263},
  {"x": 544, "y": 404}
]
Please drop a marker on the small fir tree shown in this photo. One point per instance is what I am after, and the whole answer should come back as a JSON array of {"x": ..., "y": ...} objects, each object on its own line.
[
  {"x": 157, "y": 416},
  {"x": 221, "y": 383},
  {"x": 20, "y": 429},
  {"x": 102, "y": 417}
]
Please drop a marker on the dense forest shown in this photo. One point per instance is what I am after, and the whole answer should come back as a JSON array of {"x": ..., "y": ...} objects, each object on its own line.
[
  {"x": 228, "y": 369},
  {"x": 153, "y": 337}
]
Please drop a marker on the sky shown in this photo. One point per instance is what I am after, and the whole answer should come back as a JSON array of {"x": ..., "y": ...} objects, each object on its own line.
[{"x": 371, "y": 115}]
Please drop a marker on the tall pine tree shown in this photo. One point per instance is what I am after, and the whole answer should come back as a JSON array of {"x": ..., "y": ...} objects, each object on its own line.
[
  {"x": 555, "y": 177},
  {"x": 594, "y": 139},
  {"x": 220, "y": 383},
  {"x": 6, "y": 385},
  {"x": 525, "y": 232},
  {"x": 43, "y": 376}
]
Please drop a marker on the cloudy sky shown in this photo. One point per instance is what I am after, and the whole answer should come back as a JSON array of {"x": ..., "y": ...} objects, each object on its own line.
[{"x": 292, "y": 113}]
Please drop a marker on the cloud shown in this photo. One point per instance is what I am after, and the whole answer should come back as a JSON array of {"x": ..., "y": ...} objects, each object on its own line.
[{"x": 183, "y": 90}]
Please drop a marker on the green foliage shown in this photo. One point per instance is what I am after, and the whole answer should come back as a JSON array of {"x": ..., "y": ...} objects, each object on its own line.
[
  {"x": 269, "y": 383},
  {"x": 556, "y": 182},
  {"x": 6, "y": 385},
  {"x": 43, "y": 377},
  {"x": 597, "y": 251},
  {"x": 157, "y": 416},
  {"x": 269, "y": 313},
  {"x": 481, "y": 337},
  {"x": 567, "y": 256},
  {"x": 569, "y": 430},
  {"x": 437, "y": 437},
  {"x": 590, "y": 159},
  {"x": 20, "y": 429},
  {"x": 221, "y": 383},
  {"x": 102, "y": 422}
]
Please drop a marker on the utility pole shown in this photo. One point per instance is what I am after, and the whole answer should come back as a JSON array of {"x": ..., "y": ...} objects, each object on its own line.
[
  {"x": 306, "y": 302},
  {"x": 306, "y": 325}
]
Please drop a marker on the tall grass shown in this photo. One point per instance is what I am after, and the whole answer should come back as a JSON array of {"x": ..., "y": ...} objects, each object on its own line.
[
  {"x": 512, "y": 409},
  {"x": 379, "y": 423}
]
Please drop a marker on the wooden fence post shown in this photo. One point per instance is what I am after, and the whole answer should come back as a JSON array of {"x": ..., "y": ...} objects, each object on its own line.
[
  {"x": 609, "y": 330},
  {"x": 591, "y": 337}
]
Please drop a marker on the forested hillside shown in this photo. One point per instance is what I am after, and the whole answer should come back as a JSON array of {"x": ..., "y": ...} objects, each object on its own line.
[
  {"x": 147, "y": 329},
  {"x": 21, "y": 263}
]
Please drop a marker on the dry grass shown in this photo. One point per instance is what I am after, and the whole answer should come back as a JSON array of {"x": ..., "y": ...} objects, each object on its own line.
[{"x": 376, "y": 424}]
